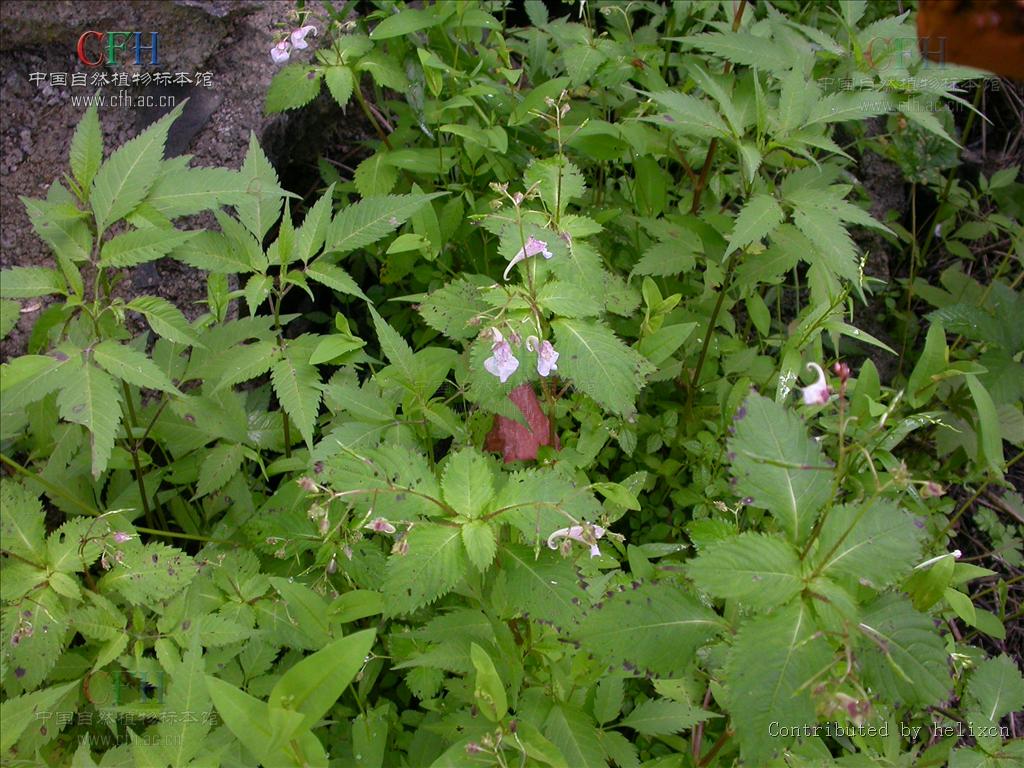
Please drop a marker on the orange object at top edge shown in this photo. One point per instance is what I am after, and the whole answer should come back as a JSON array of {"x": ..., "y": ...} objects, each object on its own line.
[{"x": 987, "y": 34}]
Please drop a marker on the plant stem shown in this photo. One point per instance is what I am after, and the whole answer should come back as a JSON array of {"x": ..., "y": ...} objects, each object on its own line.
[
  {"x": 713, "y": 320},
  {"x": 369, "y": 116},
  {"x": 133, "y": 449},
  {"x": 963, "y": 507}
]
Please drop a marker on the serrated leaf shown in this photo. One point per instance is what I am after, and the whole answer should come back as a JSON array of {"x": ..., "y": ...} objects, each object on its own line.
[
  {"x": 138, "y": 247},
  {"x": 558, "y": 181},
  {"x": 581, "y": 62},
  {"x": 334, "y": 277},
  {"x": 297, "y": 386},
  {"x": 772, "y": 660},
  {"x": 18, "y": 712},
  {"x": 760, "y": 215},
  {"x": 850, "y": 105},
  {"x": 185, "y": 191},
  {"x": 568, "y": 300},
  {"x": 165, "y": 319},
  {"x": 183, "y": 736},
  {"x": 545, "y": 588},
  {"x": 244, "y": 362},
  {"x": 647, "y": 628},
  {"x": 260, "y": 205},
  {"x": 87, "y": 148},
  {"x": 148, "y": 574},
  {"x": 454, "y": 310},
  {"x": 743, "y": 48},
  {"x": 665, "y": 259},
  {"x": 777, "y": 466},
  {"x": 310, "y": 237},
  {"x": 340, "y": 83},
  {"x": 219, "y": 465},
  {"x": 293, "y": 86},
  {"x": 758, "y": 570},
  {"x": 21, "y": 524},
  {"x": 128, "y": 364},
  {"x": 481, "y": 544},
  {"x": 404, "y": 22},
  {"x": 834, "y": 246},
  {"x": 395, "y": 349},
  {"x": 600, "y": 364},
  {"x": 432, "y": 566},
  {"x": 996, "y": 688},
  {"x": 10, "y": 312},
  {"x": 903, "y": 656},
  {"x": 467, "y": 482},
  {"x": 30, "y": 282},
  {"x": 689, "y": 115},
  {"x": 875, "y": 543},
  {"x": 367, "y": 221},
  {"x": 124, "y": 180},
  {"x": 573, "y": 732},
  {"x": 91, "y": 398},
  {"x": 660, "y": 717}
]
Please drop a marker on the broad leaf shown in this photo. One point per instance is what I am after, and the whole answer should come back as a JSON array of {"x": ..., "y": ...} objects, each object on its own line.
[
  {"x": 758, "y": 570},
  {"x": 91, "y": 398},
  {"x": 369, "y": 220},
  {"x": 142, "y": 245},
  {"x": 432, "y": 566},
  {"x": 760, "y": 215},
  {"x": 297, "y": 386},
  {"x": 130, "y": 365},
  {"x": 468, "y": 482}
]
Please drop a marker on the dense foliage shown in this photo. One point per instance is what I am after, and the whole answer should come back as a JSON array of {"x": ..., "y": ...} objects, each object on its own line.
[{"x": 289, "y": 538}]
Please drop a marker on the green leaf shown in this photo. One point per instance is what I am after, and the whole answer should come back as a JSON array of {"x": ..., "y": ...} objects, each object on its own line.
[
  {"x": 19, "y": 712},
  {"x": 468, "y": 482},
  {"x": 130, "y": 365},
  {"x": 760, "y": 215},
  {"x": 368, "y": 220},
  {"x": 87, "y": 148},
  {"x": 10, "y": 312},
  {"x": 689, "y": 115},
  {"x": 572, "y": 731},
  {"x": 648, "y": 628},
  {"x": 557, "y": 180},
  {"x": 165, "y": 319},
  {"x": 990, "y": 440},
  {"x": 142, "y": 245},
  {"x": 568, "y": 300},
  {"x": 297, "y": 386},
  {"x": 375, "y": 175},
  {"x": 306, "y": 610},
  {"x": 673, "y": 257},
  {"x": 395, "y": 349},
  {"x": 875, "y": 543},
  {"x": 185, "y": 191},
  {"x": 581, "y": 62},
  {"x": 835, "y": 249},
  {"x": 334, "y": 277},
  {"x": 933, "y": 360},
  {"x": 995, "y": 688},
  {"x": 406, "y": 21},
  {"x": 454, "y": 310},
  {"x": 22, "y": 523},
  {"x": 544, "y": 586},
  {"x": 260, "y": 206},
  {"x": 313, "y": 685},
  {"x": 480, "y": 542},
  {"x": 608, "y": 697},
  {"x": 742, "y": 48},
  {"x": 659, "y": 717},
  {"x": 220, "y": 464},
  {"x": 663, "y": 343},
  {"x": 773, "y": 659},
  {"x": 904, "y": 658},
  {"x": 600, "y": 364},
  {"x": 90, "y": 397},
  {"x": 293, "y": 86},
  {"x": 850, "y": 105},
  {"x": 182, "y": 736},
  {"x": 340, "y": 83},
  {"x": 30, "y": 282},
  {"x": 758, "y": 570},
  {"x": 432, "y": 566},
  {"x": 124, "y": 180},
  {"x": 242, "y": 363},
  {"x": 489, "y": 692},
  {"x": 778, "y": 466},
  {"x": 148, "y": 574},
  {"x": 310, "y": 237},
  {"x": 247, "y": 717},
  {"x": 30, "y": 378}
]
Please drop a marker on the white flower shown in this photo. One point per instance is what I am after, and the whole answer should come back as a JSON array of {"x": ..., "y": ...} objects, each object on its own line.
[
  {"x": 532, "y": 247},
  {"x": 817, "y": 393},
  {"x": 502, "y": 363},
  {"x": 955, "y": 554},
  {"x": 380, "y": 525},
  {"x": 280, "y": 52},
  {"x": 547, "y": 357},
  {"x": 299, "y": 36},
  {"x": 585, "y": 534}
]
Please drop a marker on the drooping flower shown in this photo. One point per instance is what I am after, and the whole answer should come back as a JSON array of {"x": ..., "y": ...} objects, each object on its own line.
[
  {"x": 956, "y": 554},
  {"x": 532, "y": 247},
  {"x": 585, "y": 534},
  {"x": 502, "y": 363},
  {"x": 380, "y": 525},
  {"x": 817, "y": 393},
  {"x": 299, "y": 36},
  {"x": 121, "y": 537},
  {"x": 281, "y": 52},
  {"x": 547, "y": 357}
]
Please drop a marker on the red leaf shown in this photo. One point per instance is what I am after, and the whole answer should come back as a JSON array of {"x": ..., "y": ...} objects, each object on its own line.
[{"x": 513, "y": 440}]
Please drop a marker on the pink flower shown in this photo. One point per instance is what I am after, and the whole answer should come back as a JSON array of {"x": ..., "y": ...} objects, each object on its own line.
[
  {"x": 546, "y": 355},
  {"x": 380, "y": 525},
  {"x": 532, "y": 248},
  {"x": 502, "y": 363},
  {"x": 817, "y": 393},
  {"x": 120, "y": 537},
  {"x": 299, "y": 36},
  {"x": 585, "y": 534},
  {"x": 280, "y": 52}
]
